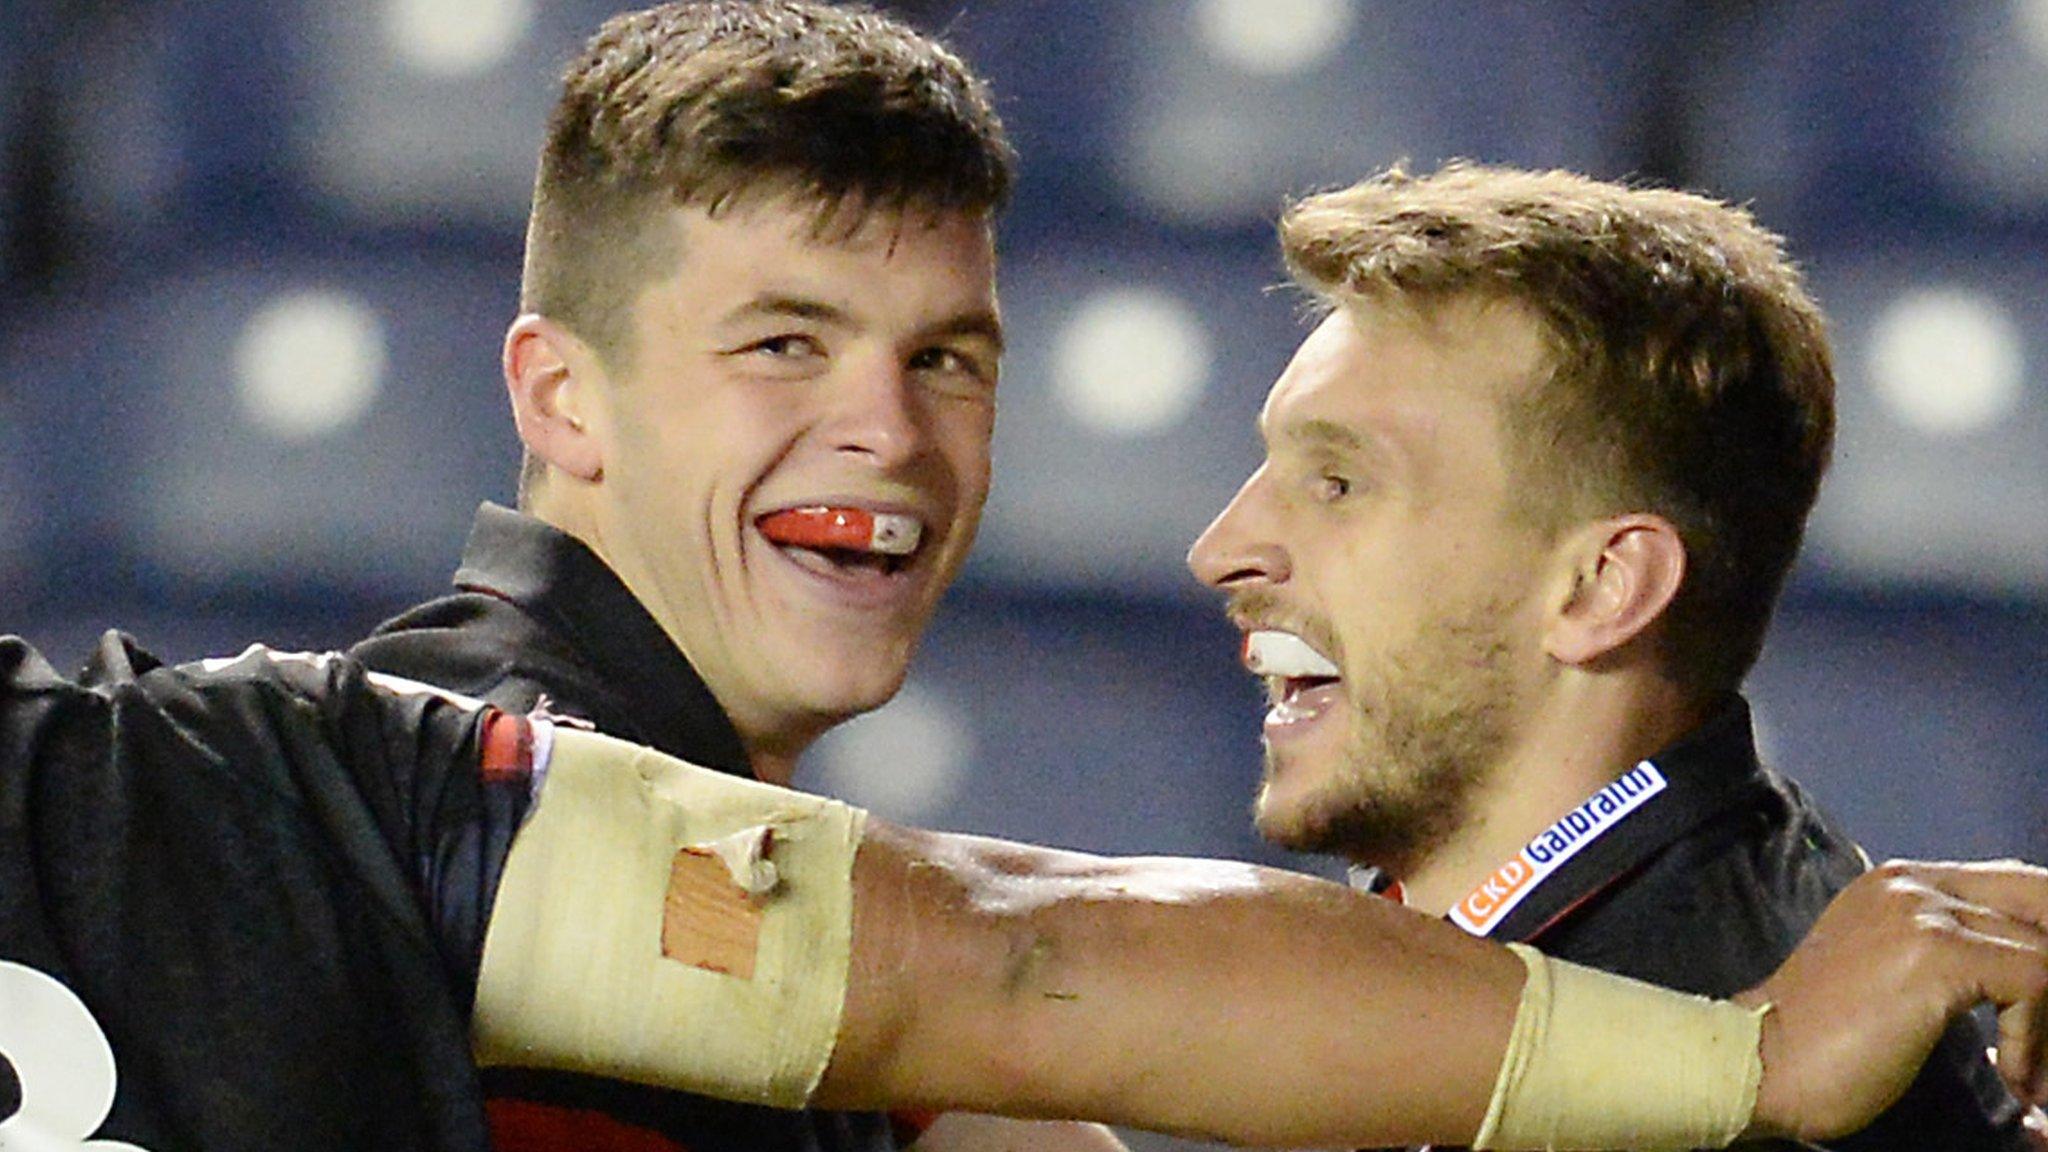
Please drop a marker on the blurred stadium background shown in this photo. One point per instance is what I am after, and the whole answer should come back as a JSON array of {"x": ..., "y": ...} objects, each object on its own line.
[{"x": 256, "y": 255}]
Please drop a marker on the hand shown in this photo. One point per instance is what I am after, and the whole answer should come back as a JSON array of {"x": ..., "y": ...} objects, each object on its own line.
[{"x": 1899, "y": 953}]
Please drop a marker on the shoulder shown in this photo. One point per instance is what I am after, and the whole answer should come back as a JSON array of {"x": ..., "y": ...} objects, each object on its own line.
[
  {"x": 1717, "y": 910},
  {"x": 490, "y": 648},
  {"x": 1720, "y": 908}
]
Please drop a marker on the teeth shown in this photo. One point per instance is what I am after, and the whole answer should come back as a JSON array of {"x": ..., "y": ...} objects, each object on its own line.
[{"x": 1269, "y": 653}]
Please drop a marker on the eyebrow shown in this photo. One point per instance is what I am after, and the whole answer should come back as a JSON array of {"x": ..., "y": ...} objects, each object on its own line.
[
  {"x": 1328, "y": 434},
  {"x": 798, "y": 307},
  {"x": 979, "y": 322}
]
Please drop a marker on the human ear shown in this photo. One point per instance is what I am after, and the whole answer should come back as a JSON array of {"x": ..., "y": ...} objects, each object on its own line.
[
  {"x": 1621, "y": 575},
  {"x": 551, "y": 377}
]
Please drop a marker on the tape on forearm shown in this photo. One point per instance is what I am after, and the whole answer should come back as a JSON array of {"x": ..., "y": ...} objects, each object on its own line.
[
  {"x": 670, "y": 925},
  {"x": 1601, "y": 1061}
]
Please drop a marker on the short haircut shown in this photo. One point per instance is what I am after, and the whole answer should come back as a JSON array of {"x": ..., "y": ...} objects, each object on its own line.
[
  {"x": 1690, "y": 374},
  {"x": 712, "y": 103},
  {"x": 717, "y": 103}
]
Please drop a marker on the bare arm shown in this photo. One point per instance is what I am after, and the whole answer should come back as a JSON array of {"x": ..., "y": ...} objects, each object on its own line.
[
  {"x": 1236, "y": 1003},
  {"x": 1218, "y": 999},
  {"x": 974, "y": 1132},
  {"x": 1204, "y": 997}
]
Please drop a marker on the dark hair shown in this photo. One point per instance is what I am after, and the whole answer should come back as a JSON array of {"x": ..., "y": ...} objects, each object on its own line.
[
  {"x": 1691, "y": 375},
  {"x": 720, "y": 102},
  {"x": 712, "y": 103}
]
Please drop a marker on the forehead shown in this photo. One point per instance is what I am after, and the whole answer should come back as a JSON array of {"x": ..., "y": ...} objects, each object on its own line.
[
  {"x": 763, "y": 238},
  {"x": 1389, "y": 370}
]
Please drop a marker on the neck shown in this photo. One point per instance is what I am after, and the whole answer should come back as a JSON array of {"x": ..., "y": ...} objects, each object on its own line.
[
  {"x": 566, "y": 514},
  {"x": 773, "y": 768},
  {"x": 773, "y": 743},
  {"x": 1590, "y": 731}
]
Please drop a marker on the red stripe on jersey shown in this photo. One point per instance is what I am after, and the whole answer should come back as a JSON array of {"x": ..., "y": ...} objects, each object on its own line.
[
  {"x": 907, "y": 1124},
  {"x": 526, "y": 1126},
  {"x": 508, "y": 748}
]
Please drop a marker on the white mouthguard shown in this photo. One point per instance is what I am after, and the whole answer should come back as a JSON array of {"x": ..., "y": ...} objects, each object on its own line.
[{"x": 1284, "y": 654}]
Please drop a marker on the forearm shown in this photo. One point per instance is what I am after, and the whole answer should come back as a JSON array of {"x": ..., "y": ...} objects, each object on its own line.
[
  {"x": 977, "y": 1132},
  {"x": 664, "y": 923},
  {"x": 1197, "y": 996}
]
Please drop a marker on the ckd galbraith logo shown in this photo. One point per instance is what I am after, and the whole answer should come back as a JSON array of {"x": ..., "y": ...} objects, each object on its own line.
[
  {"x": 62, "y": 1063},
  {"x": 1511, "y": 883}
]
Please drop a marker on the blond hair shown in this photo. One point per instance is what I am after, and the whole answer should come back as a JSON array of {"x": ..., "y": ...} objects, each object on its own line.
[{"x": 1690, "y": 371}]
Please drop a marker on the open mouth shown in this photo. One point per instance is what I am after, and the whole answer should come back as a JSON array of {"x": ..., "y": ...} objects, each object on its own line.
[
  {"x": 845, "y": 541},
  {"x": 1289, "y": 665}
]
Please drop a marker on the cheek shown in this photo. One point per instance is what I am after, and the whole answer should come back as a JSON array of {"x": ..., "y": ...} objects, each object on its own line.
[
  {"x": 727, "y": 440},
  {"x": 1387, "y": 584},
  {"x": 966, "y": 437},
  {"x": 671, "y": 477},
  {"x": 1373, "y": 592}
]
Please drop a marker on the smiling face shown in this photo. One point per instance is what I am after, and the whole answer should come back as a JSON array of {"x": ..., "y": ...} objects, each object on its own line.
[
  {"x": 1382, "y": 530},
  {"x": 775, "y": 373}
]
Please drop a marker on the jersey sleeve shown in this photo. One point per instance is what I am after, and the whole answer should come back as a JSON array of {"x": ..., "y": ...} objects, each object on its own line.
[
  {"x": 267, "y": 877},
  {"x": 267, "y": 763}
]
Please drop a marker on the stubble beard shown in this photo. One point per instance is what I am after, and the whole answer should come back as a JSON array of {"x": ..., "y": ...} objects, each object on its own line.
[{"x": 1423, "y": 740}]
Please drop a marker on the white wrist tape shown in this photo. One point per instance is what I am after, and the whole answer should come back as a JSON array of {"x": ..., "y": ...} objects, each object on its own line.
[
  {"x": 1601, "y": 1061},
  {"x": 666, "y": 924}
]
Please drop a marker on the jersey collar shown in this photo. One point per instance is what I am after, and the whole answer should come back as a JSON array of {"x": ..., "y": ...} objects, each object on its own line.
[
  {"x": 1609, "y": 836},
  {"x": 558, "y": 580}
]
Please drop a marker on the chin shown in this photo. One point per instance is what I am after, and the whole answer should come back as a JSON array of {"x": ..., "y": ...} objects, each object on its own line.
[
  {"x": 1284, "y": 820},
  {"x": 845, "y": 693}
]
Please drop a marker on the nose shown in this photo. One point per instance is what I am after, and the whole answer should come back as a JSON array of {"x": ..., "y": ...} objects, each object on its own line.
[
  {"x": 1237, "y": 548},
  {"x": 878, "y": 414}
]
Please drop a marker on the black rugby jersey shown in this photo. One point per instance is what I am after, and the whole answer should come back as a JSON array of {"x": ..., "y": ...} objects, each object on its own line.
[
  {"x": 539, "y": 619},
  {"x": 242, "y": 904},
  {"x": 1701, "y": 870}
]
